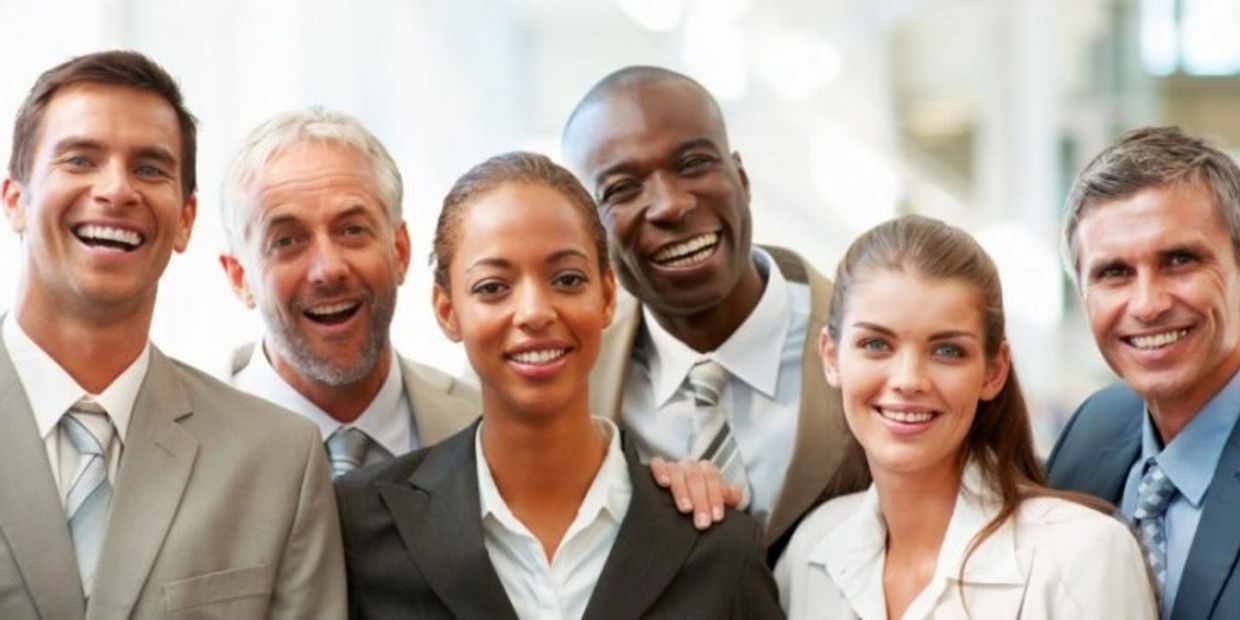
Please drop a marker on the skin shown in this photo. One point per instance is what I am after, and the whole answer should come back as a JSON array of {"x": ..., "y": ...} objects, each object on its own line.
[
  {"x": 1156, "y": 262},
  {"x": 523, "y": 277},
  {"x": 106, "y": 156},
  {"x": 316, "y": 235},
  {"x": 899, "y": 359},
  {"x": 656, "y": 157}
]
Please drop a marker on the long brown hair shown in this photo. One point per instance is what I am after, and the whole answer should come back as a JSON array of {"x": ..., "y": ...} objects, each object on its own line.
[{"x": 1000, "y": 440}]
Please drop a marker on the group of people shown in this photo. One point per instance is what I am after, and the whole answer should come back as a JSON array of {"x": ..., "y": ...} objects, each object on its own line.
[{"x": 661, "y": 411}]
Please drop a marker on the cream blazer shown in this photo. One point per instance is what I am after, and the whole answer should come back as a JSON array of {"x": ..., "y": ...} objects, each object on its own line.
[{"x": 1055, "y": 559}]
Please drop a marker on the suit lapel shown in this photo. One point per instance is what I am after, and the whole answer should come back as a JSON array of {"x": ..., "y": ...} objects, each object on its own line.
[
  {"x": 32, "y": 518},
  {"x": 438, "y": 516},
  {"x": 436, "y": 406},
  {"x": 155, "y": 467},
  {"x": 651, "y": 547},
  {"x": 1216, "y": 545}
]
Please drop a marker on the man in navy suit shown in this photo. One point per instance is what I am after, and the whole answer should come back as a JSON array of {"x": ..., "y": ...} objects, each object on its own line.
[{"x": 1153, "y": 235}]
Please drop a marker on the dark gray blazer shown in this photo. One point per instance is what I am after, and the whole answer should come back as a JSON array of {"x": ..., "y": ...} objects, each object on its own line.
[
  {"x": 414, "y": 549},
  {"x": 1094, "y": 454}
]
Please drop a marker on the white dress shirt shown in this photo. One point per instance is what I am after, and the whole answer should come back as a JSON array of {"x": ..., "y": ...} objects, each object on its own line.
[
  {"x": 387, "y": 420},
  {"x": 559, "y": 589},
  {"x": 51, "y": 391},
  {"x": 1055, "y": 559},
  {"x": 761, "y": 399}
]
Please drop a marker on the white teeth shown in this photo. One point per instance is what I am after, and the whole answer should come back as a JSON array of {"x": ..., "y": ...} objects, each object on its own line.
[
  {"x": 1158, "y": 340},
  {"x": 907, "y": 417},
  {"x": 539, "y": 357},
  {"x": 108, "y": 233},
  {"x": 687, "y": 253},
  {"x": 331, "y": 308}
]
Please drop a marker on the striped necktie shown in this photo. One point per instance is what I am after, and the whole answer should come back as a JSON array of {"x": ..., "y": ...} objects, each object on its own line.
[
  {"x": 90, "y": 432},
  {"x": 713, "y": 440},
  {"x": 346, "y": 449}
]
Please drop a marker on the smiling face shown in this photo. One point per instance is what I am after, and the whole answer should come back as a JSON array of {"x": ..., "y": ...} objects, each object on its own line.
[
  {"x": 675, "y": 201},
  {"x": 912, "y": 375},
  {"x": 1162, "y": 291},
  {"x": 103, "y": 208},
  {"x": 526, "y": 297},
  {"x": 322, "y": 261}
]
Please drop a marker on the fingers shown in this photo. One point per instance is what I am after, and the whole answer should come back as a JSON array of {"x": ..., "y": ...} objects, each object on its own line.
[
  {"x": 661, "y": 470},
  {"x": 696, "y": 477}
]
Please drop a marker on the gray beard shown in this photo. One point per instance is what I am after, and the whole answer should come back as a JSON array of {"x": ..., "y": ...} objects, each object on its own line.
[{"x": 296, "y": 351}]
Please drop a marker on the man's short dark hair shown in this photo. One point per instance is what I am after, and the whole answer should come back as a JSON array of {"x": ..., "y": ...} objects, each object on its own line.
[{"x": 114, "y": 68}]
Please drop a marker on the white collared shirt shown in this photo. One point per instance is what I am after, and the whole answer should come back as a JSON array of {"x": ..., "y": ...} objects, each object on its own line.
[
  {"x": 1055, "y": 559},
  {"x": 761, "y": 400},
  {"x": 387, "y": 420},
  {"x": 51, "y": 391},
  {"x": 559, "y": 589}
]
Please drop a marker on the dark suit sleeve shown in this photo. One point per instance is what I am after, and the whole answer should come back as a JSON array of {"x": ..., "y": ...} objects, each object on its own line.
[
  {"x": 1064, "y": 437},
  {"x": 755, "y": 594}
]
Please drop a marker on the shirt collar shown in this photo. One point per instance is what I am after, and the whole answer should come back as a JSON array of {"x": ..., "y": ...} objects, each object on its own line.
[
  {"x": 384, "y": 420},
  {"x": 753, "y": 353},
  {"x": 609, "y": 492},
  {"x": 1190, "y": 459},
  {"x": 853, "y": 553},
  {"x": 51, "y": 391}
]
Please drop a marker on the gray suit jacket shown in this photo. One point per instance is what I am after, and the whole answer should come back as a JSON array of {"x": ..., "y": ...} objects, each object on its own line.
[
  {"x": 442, "y": 405},
  {"x": 222, "y": 507},
  {"x": 826, "y": 460},
  {"x": 1094, "y": 453},
  {"x": 414, "y": 549}
]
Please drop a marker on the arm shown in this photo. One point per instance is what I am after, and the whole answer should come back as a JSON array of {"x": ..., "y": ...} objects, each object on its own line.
[
  {"x": 310, "y": 582},
  {"x": 697, "y": 487}
]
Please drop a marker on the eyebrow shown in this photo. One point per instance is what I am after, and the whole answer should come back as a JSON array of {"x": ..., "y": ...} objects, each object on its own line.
[
  {"x": 503, "y": 263},
  {"x": 687, "y": 145},
  {"x": 943, "y": 335}
]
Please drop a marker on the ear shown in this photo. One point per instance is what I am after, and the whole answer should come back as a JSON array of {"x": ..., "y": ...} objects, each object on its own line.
[
  {"x": 13, "y": 207},
  {"x": 609, "y": 297},
  {"x": 235, "y": 272},
  {"x": 186, "y": 224},
  {"x": 997, "y": 373},
  {"x": 830, "y": 358},
  {"x": 445, "y": 314},
  {"x": 740, "y": 169},
  {"x": 403, "y": 252}
]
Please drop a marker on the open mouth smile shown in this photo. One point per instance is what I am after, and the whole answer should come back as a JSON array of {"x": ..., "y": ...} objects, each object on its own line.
[
  {"x": 539, "y": 357},
  {"x": 98, "y": 235},
  {"x": 1156, "y": 341},
  {"x": 687, "y": 253},
  {"x": 906, "y": 416},
  {"x": 332, "y": 313}
]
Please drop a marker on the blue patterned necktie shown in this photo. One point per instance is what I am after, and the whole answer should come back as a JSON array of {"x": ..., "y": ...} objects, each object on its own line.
[
  {"x": 90, "y": 432},
  {"x": 713, "y": 440},
  {"x": 1154, "y": 493}
]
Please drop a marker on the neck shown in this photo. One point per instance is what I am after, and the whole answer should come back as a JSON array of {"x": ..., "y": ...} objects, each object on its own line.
[
  {"x": 94, "y": 350},
  {"x": 1172, "y": 413},
  {"x": 708, "y": 329},
  {"x": 543, "y": 460},
  {"x": 344, "y": 403},
  {"x": 917, "y": 509}
]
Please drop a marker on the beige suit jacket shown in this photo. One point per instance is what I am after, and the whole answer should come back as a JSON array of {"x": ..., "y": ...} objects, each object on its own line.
[
  {"x": 442, "y": 405},
  {"x": 826, "y": 460},
  {"x": 222, "y": 507}
]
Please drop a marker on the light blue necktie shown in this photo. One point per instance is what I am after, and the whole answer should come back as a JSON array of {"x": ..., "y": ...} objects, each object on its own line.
[
  {"x": 90, "y": 432},
  {"x": 1154, "y": 494}
]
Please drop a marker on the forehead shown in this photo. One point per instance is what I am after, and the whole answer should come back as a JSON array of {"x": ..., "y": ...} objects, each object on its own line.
[
  {"x": 308, "y": 176},
  {"x": 643, "y": 120},
  {"x": 112, "y": 116},
  {"x": 518, "y": 221},
  {"x": 1150, "y": 221},
  {"x": 942, "y": 303}
]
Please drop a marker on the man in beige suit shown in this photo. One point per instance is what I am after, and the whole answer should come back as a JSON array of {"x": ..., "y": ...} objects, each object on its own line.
[
  {"x": 652, "y": 146},
  {"x": 132, "y": 486},
  {"x": 317, "y": 242}
]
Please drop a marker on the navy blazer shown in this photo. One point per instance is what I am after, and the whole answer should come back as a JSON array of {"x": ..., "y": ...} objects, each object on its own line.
[
  {"x": 414, "y": 549},
  {"x": 1094, "y": 454}
]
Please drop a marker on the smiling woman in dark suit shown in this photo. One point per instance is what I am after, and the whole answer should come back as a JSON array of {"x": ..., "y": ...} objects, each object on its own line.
[{"x": 538, "y": 511}]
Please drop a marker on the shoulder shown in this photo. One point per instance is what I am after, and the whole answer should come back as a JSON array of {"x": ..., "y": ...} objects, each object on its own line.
[
  {"x": 430, "y": 377},
  {"x": 1072, "y": 535},
  {"x": 1107, "y": 406},
  {"x": 821, "y": 521},
  {"x": 216, "y": 403},
  {"x": 795, "y": 268},
  {"x": 427, "y": 465}
]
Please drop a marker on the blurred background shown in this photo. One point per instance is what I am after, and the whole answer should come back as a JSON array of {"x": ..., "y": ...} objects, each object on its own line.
[{"x": 846, "y": 112}]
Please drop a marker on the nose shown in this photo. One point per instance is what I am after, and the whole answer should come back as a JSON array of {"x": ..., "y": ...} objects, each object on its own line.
[
  {"x": 327, "y": 262},
  {"x": 534, "y": 310},
  {"x": 669, "y": 202},
  {"x": 114, "y": 186},
  {"x": 908, "y": 374},
  {"x": 1150, "y": 300}
]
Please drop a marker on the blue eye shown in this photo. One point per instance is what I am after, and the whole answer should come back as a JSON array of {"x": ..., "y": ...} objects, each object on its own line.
[
  {"x": 949, "y": 350},
  {"x": 874, "y": 345}
]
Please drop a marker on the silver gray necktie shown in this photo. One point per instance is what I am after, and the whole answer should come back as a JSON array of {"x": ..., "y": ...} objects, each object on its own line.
[
  {"x": 346, "y": 449},
  {"x": 90, "y": 432},
  {"x": 713, "y": 440}
]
